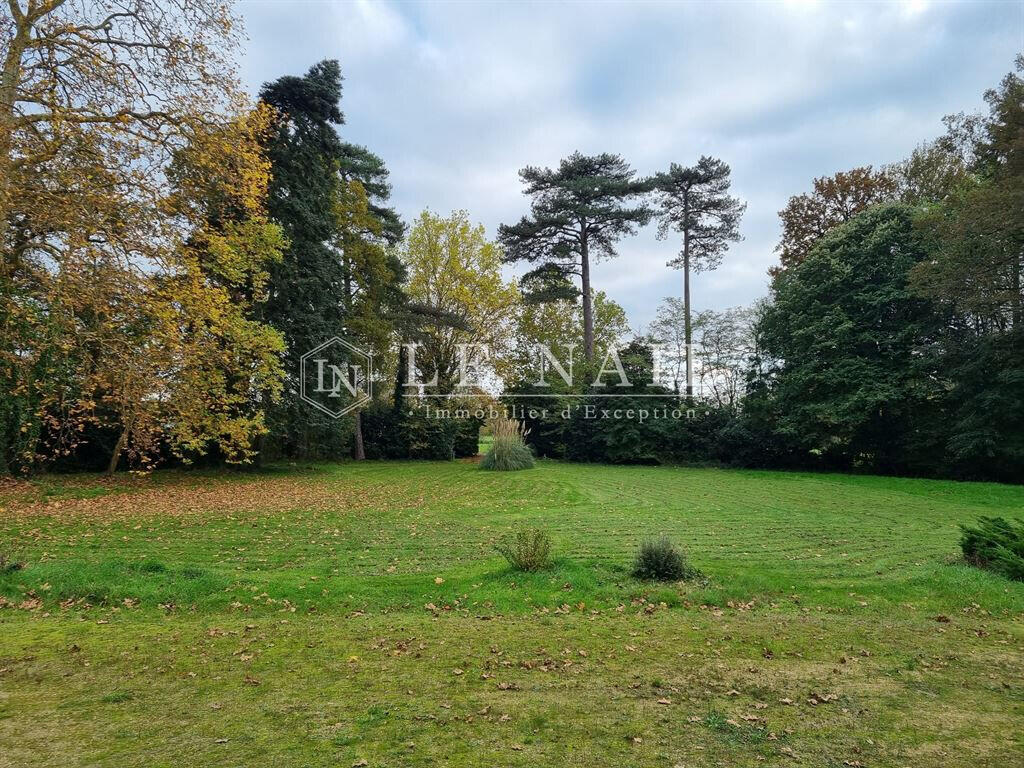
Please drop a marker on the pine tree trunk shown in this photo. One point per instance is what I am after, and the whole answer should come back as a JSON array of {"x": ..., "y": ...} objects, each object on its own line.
[
  {"x": 588, "y": 306},
  {"x": 686, "y": 313}
]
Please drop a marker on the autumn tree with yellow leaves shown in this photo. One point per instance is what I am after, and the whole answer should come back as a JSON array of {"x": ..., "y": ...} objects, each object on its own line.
[
  {"x": 455, "y": 272},
  {"x": 133, "y": 234}
]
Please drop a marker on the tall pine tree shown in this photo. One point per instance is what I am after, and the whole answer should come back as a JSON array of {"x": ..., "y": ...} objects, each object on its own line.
[
  {"x": 577, "y": 213},
  {"x": 696, "y": 203},
  {"x": 330, "y": 199}
]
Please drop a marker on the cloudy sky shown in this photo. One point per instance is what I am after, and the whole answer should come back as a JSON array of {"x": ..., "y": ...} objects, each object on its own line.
[{"x": 457, "y": 96}]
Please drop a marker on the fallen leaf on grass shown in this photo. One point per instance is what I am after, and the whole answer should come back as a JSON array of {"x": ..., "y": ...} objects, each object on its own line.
[{"x": 821, "y": 698}]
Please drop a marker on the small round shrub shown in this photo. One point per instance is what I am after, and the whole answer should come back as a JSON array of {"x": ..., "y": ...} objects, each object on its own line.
[
  {"x": 661, "y": 560},
  {"x": 527, "y": 550},
  {"x": 9, "y": 564}
]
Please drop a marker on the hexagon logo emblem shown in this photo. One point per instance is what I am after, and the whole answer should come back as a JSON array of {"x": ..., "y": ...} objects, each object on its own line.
[{"x": 336, "y": 377}]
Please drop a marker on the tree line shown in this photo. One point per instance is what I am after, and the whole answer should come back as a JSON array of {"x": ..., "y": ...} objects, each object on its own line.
[
  {"x": 891, "y": 338},
  {"x": 172, "y": 247}
]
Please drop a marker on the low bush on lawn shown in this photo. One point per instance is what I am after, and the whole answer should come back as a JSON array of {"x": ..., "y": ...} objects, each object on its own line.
[
  {"x": 8, "y": 564},
  {"x": 508, "y": 451},
  {"x": 661, "y": 560},
  {"x": 527, "y": 550},
  {"x": 995, "y": 544}
]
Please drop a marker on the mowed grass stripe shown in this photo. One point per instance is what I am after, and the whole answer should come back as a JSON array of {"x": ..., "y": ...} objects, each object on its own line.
[{"x": 378, "y": 534}]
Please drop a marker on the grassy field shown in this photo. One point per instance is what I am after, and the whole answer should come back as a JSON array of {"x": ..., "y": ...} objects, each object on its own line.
[{"x": 357, "y": 615}]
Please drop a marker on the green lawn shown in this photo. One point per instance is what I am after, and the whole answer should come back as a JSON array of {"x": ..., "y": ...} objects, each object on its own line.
[{"x": 336, "y": 614}]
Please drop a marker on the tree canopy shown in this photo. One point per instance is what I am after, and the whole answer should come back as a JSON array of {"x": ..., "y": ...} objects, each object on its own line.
[
  {"x": 455, "y": 271},
  {"x": 578, "y": 212}
]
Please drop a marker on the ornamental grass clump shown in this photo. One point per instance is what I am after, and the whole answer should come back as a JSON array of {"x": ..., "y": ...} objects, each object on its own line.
[
  {"x": 509, "y": 451},
  {"x": 661, "y": 560}
]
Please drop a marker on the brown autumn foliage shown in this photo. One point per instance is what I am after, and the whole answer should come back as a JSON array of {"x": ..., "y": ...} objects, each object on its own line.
[
  {"x": 133, "y": 233},
  {"x": 833, "y": 200}
]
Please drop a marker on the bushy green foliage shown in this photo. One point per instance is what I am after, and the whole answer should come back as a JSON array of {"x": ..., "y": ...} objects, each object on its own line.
[
  {"x": 398, "y": 434},
  {"x": 857, "y": 372},
  {"x": 995, "y": 544},
  {"x": 509, "y": 451},
  {"x": 527, "y": 549},
  {"x": 985, "y": 422},
  {"x": 661, "y": 560}
]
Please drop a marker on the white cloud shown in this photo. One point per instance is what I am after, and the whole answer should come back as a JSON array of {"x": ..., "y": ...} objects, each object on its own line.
[{"x": 456, "y": 97}]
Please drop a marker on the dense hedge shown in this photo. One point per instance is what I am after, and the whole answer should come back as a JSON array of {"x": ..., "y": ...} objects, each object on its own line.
[
  {"x": 625, "y": 430},
  {"x": 392, "y": 434}
]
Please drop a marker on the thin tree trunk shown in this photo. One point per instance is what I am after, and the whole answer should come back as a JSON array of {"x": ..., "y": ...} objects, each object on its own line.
[
  {"x": 588, "y": 306},
  {"x": 359, "y": 452},
  {"x": 686, "y": 312},
  {"x": 10, "y": 75},
  {"x": 1018, "y": 314},
  {"x": 360, "y": 449},
  {"x": 261, "y": 447},
  {"x": 403, "y": 361},
  {"x": 116, "y": 456}
]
